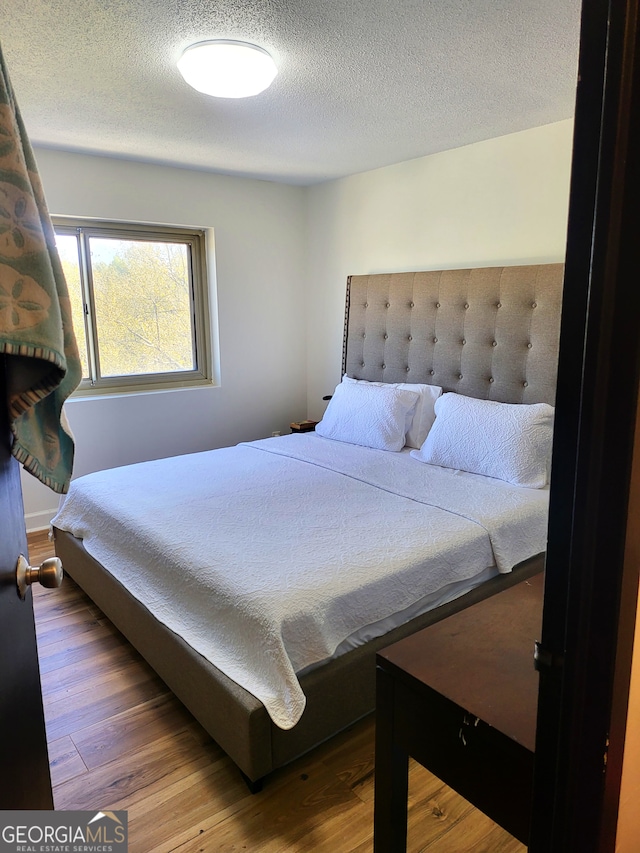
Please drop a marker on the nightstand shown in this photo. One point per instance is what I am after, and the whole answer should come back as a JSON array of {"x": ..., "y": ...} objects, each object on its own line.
[
  {"x": 303, "y": 426},
  {"x": 460, "y": 696}
]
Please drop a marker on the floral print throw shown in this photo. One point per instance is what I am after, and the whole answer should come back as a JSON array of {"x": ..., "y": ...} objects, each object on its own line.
[{"x": 36, "y": 334}]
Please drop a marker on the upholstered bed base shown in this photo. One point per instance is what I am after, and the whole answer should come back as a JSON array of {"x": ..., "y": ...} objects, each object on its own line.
[
  {"x": 490, "y": 333},
  {"x": 338, "y": 693}
]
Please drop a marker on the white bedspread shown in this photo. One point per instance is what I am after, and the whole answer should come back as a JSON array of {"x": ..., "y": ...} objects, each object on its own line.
[{"x": 264, "y": 557}]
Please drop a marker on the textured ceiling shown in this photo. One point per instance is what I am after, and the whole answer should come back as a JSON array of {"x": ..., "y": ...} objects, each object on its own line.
[{"x": 362, "y": 83}]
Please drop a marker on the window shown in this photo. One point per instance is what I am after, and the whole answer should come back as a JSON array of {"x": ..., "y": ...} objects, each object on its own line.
[{"x": 139, "y": 303}]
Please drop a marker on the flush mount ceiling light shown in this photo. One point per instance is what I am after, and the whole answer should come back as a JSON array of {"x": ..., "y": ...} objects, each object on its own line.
[{"x": 227, "y": 69}]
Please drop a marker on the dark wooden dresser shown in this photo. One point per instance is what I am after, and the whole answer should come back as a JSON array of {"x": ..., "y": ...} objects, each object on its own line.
[{"x": 461, "y": 698}]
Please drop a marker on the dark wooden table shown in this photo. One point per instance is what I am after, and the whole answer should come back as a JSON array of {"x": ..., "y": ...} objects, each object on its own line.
[{"x": 461, "y": 698}]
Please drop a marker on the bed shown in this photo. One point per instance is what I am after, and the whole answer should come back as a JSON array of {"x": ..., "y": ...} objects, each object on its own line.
[{"x": 337, "y": 517}]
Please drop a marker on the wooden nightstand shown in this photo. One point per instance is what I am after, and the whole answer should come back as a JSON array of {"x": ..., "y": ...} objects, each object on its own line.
[
  {"x": 303, "y": 426},
  {"x": 461, "y": 698}
]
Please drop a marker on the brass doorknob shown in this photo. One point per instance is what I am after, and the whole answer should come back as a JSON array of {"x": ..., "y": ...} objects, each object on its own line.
[{"x": 48, "y": 574}]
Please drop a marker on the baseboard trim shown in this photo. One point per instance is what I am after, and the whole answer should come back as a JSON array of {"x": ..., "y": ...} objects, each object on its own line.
[{"x": 39, "y": 520}]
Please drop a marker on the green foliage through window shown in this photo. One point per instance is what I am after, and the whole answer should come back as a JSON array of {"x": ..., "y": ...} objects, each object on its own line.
[{"x": 139, "y": 303}]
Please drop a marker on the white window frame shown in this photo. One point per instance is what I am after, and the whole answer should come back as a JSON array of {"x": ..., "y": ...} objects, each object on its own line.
[{"x": 195, "y": 239}]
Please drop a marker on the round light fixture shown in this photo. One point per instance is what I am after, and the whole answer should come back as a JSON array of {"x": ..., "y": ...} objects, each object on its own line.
[{"x": 227, "y": 69}]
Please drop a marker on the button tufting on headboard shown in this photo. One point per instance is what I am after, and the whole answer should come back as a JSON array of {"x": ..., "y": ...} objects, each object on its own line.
[{"x": 476, "y": 331}]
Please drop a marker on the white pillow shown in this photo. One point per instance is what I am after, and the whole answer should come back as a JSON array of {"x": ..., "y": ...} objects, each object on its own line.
[
  {"x": 502, "y": 440},
  {"x": 422, "y": 418},
  {"x": 373, "y": 416}
]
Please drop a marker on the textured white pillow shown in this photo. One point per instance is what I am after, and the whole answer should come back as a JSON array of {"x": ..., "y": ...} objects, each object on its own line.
[
  {"x": 422, "y": 418},
  {"x": 502, "y": 440},
  {"x": 373, "y": 416}
]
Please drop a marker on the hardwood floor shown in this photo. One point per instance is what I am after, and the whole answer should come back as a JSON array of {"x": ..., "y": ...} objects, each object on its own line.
[{"x": 118, "y": 739}]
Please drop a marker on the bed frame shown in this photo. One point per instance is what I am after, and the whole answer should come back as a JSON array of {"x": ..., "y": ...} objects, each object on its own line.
[{"x": 490, "y": 333}]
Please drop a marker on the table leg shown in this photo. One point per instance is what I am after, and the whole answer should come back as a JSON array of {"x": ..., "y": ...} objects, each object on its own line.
[{"x": 391, "y": 775}]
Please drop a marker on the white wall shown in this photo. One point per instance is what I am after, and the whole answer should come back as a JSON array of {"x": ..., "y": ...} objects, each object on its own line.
[
  {"x": 257, "y": 270},
  {"x": 503, "y": 201},
  {"x": 281, "y": 287}
]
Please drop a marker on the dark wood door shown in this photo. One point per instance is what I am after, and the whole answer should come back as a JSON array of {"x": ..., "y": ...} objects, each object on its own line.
[
  {"x": 591, "y": 583},
  {"x": 24, "y": 765}
]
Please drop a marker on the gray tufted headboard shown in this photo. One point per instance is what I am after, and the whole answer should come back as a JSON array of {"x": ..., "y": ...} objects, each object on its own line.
[{"x": 490, "y": 332}]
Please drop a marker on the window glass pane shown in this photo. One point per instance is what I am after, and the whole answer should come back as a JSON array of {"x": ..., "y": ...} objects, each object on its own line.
[
  {"x": 67, "y": 245},
  {"x": 143, "y": 311}
]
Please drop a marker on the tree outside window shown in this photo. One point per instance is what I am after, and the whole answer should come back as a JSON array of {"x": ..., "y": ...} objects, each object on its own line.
[{"x": 139, "y": 304}]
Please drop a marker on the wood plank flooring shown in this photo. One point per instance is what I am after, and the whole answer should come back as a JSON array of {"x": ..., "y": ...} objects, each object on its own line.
[{"x": 118, "y": 739}]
